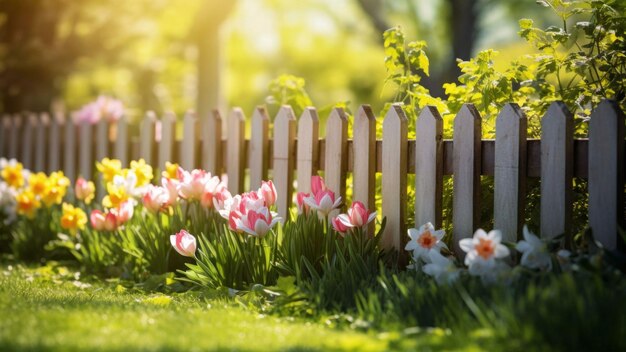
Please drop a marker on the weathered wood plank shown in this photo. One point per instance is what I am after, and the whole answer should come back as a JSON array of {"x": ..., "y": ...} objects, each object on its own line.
[
  {"x": 394, "y": 152},
  {"x": 5, "y": 125},
  {"x": 466, "y": 165},
  {"x": 364, "y": 151},
  {"x": 54, "y": 141},
  {"x": 69, "y": 152},
  {"x": 428, "y": 167},
  {"x": 212, "y": 142},
  {"x": 102, "y": 146},
  {"x": 121, "y": 141},
  {"x": 259, "y": 142},
  {"x": 235, "y": 158},
  {"x": 557, "y": 150},
  {"x": 308, "y": 148},
  {"x": 606, "y": 173},
  {"x": 42, "y": 122},
  {"x": 26, "y": 155},
  {"x": 336, "y": 163},
  {"x": 188, "y": 143},
  {"x": 284, "y": 162},
  {"x": 167, "y": 139},
  {"x": 510, "y": 171},
  {"x": 16, "y": 129},
  {"x": 85, "y": 161},
  {"x": 146, "y": 137}
]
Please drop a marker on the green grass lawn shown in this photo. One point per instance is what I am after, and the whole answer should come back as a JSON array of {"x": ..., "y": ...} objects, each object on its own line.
[{"x": 48, "y": 309}]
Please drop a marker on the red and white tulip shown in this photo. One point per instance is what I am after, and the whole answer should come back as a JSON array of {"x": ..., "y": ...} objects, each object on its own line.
[{"x": 184, "y": 243}]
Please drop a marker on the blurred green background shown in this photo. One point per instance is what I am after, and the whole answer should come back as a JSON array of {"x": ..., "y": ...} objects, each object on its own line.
[{"x": 175, "y": 55}]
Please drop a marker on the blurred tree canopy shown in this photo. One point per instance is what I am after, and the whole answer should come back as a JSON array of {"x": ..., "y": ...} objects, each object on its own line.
[{"x": 155, "y": 54}]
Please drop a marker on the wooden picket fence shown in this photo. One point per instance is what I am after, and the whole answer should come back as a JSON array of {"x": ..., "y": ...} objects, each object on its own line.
[{"x": 48, "y": 143}]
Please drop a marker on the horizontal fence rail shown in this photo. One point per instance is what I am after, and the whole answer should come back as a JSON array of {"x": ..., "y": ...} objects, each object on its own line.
[{"x": 291, "y": 149}]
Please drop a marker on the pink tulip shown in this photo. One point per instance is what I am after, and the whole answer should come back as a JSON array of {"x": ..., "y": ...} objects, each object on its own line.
[
  {"x": 323, "y": 202},
  {"x": 358, "y": 216},
  {"x": 219, "y": 199},
  {"x": 212, "y": 187},
  {"x": 268, "y": 193},
  {"x": 257, "y": 223},
  {"x": 156, "y": 198},
  {"x": 172, "y": 189},
  {"x": 123, "y": 212},
  {"x": 317, "y": 185},
  {"x": 103, "y": 221},
  {"x": 192, "y": 183},
  {"x": 339, "y": 226},
  {"x": 184, "y": 243},
  {"x": 302, "y": 207},
  {"x": 84, "y": 190}
]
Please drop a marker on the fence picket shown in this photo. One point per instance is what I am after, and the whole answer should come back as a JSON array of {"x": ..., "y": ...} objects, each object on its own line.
[
  {"x": 121, "y": 140},
  {"x": 364, "y": 151},
  {"x": 102, "y": 151},
  {"x": 308, "y": 143},
  {"x": 16, "y": 126},
  {"x": 557, "y": 144},
  {"x": 235, "y": 158},
  {"x": 510, "y": 171},
  {"x": 212, "y": 142},
  {"x": 188, "y": 143},
  {"x": 167, "y": 139},
  {"x": 428, "y": 167},
  {"x": 394, "y": 168},
  {"x": 54, "y": 142},
  {"x": 606, "y": 173},
  {"x": 284, "y": 143},
  {"x": 27, "y": 141},
  {"x": 85, "y": 163},
  {"x": 146, "y": 137},
  {"x": 336, "y": 154},
  {"x": 5, "y": 125},
  {"x": 466, "y": 164},
  {"x": 40, "y": 141},
  {"x": 259, "y": 144},
  {"x": 69, "y": 154}
]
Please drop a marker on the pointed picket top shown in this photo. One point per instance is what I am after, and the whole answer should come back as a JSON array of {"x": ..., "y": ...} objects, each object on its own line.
[
  {"x": 284, "y": 143},
  {"x": 510, "y": 171},
  {"x": 54, "y": 141},
  {"x": 336, "y": 154},
  {"x": 121, "y": 140},
  {"x": 308, "y": 145},
  {"x": 557, "y": 165},
  {"x": 41, "y": 126},
  {"x": 606, "y": 173},
  {"x": 235, "y": 161},
  {"x": 364, "y": 152},
  {"x": 212, "y": 142},
  {"x": 466, "y": 167},
  {"x": 167, "y": 139},
  {"x": 428, "y": 167},
  {"x": 259, "y": 145},
  {"x": 146, "y": 136},
  {"x": 188, "y": 143},
  {"x": 394, "y": 175}
]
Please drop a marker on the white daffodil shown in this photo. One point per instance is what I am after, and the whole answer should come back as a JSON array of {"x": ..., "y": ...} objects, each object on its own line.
[
  {"x": 482, "y": 251},
  {"x": 425, "y": 240},
  {"x": 534, "y": 251},
  {"x": 441, "y": 268}
]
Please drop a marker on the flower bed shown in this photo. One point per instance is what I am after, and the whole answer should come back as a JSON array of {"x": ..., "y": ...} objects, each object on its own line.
[{"x": 317, "y": 263}]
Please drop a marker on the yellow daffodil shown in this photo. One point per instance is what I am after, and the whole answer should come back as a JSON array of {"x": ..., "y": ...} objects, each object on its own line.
[
  {"x": 57, "y": 178},
  {"x": 12, "y": 174},
  {"x": 38, "y": 183},
  {"x": 73, "y": 219},
  {"x": 116, "y": 196},
  {"x": 27, "y": 203},
  {"x": 53, "y": 195},
  {"x": 171, "y": 170},
  {"x": 109, "y": 168},
  {"x": 143, "y": 172}
]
